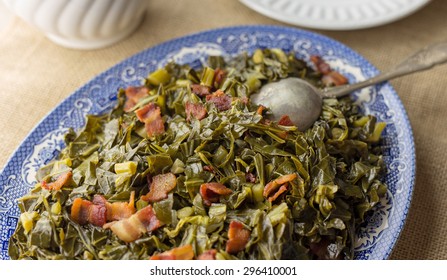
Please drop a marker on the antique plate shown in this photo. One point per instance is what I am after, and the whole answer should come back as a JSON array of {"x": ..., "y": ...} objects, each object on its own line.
[
  {"x": 336, "y": 14},
  {"x": 374, "y": 240}
]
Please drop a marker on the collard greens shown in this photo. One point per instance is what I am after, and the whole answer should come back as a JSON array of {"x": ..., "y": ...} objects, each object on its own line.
[{"x": 321, "y": 181}]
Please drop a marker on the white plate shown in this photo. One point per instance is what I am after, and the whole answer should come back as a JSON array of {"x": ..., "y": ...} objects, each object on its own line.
[{"x": 336, "y": 14}]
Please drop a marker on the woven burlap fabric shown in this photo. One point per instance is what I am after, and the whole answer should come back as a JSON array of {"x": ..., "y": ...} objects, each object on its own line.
[{"x": 36, "y": 75}]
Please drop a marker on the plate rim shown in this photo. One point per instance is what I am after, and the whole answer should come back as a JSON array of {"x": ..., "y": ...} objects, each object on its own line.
[{"x": 260, "y": 28}]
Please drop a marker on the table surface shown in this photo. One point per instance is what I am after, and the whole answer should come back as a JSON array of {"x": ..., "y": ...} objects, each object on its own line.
[
  {"x": 5, "y": 16},
  {"x": 36, "y": 75}
]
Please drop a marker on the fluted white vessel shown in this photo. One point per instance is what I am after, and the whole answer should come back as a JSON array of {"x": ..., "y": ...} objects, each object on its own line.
[{"x": 82, "y": 24}]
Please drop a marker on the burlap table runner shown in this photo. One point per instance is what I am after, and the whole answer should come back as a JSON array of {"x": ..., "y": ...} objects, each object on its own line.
[{"x": 36, "y": 75}]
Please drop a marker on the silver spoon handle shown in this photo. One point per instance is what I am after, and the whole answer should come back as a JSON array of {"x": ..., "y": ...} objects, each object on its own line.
[{"x": 422, "y": 60}]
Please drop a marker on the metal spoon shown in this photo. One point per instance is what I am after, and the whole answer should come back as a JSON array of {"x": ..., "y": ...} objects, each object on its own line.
[{"x": 302, "y": 102}]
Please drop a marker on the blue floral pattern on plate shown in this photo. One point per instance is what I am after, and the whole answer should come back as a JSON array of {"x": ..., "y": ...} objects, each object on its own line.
[{"x": 375, "y": 239}]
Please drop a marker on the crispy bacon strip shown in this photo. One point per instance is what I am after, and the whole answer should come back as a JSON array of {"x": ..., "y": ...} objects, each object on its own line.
[
  {"x": 211, "y": 192},
  {"x": 330, "y": 77},
  {"x": 85, "y": 212},
  {"x": 130, "y": 229},
  {"x": 208, "y": 255},
  {"x": 200, "y": 90},
  {"x": 133, "y": 95},
  {"x": 155, "y": 128},
  {"x": 59, "y": 183},
  {"x": 282, "y": 189},
  {"x": 160, "y": 186},
  {"x": 121, "y": 210},
  {"x": 196, "y": 110},
  {"x": 116, "y": 210},
  {"x": 99, "y": 211},
  {"x": 180, "y": 253},
  {"x": 220, "y": 100},
  {"x": 278, "y": 185},
  {"x": 238, "y": 237},
  {"x": 150, "y": 115}
]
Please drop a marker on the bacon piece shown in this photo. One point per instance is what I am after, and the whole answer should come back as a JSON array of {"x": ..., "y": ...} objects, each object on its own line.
[
  {"x": 238, "y": 237},
  {"x": 200, "y": 90},
  {"x": 130, "y": 229},
  {"x": 59, "y": 183},
  {"x": 116, "y": 210},
  {"x": 154, "y": 128},
  {"x": 220, "y": 100},
  {"x": 320, "y": 64},
  {"x": 160, "y": 186},
  {"x": 334, "y": 79},
  {"x": 180, "y": 253},
  {"x": 278, "y": 186},
  {"x": 285, "y": 120},
  {"x": 330, "y": 77},
  {"x": 150, "y": 115},
  {"x": 84, "y": 212},
  {"x": 98, "y": 211},
  {"x": 211, "y": 192},
  {"x": 196, "y": 110},
  {"x": 208, "y": 255},
  {"x": 133, "y": 95},
  {"x": 282, "y": 189},
  {"x": 121, "y": 210},
  {"x": 219, "y": 76}
]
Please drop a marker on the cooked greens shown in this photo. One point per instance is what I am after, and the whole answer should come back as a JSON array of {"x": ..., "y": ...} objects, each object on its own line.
[{"x": 186, "y": 167}]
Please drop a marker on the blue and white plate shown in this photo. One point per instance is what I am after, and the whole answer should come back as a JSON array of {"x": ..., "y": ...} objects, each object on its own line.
[{"x": 374, "y": 240}]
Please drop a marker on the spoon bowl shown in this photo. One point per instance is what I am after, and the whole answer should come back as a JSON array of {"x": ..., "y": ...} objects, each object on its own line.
[{"x": 293, "y": 97}]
